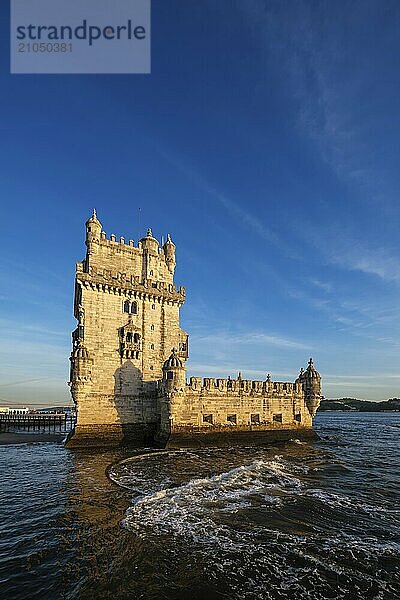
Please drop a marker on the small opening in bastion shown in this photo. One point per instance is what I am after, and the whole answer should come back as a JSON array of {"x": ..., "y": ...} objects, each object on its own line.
[
  {"x": 208, "y": 419},
  {"x": 232, "y": 419},
  {"x": 277, "y": 418},
  {"x": 255, "y": 419}
]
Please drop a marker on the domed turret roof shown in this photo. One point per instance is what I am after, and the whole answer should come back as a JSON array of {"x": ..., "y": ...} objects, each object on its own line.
[
  {"x": 173, "y": 362},
  {"x": 169, "y": 242},
  {"x": 311, "y": 370},
  {"x": 93, "y": 219},
  {"x": 149, "y": 241}
]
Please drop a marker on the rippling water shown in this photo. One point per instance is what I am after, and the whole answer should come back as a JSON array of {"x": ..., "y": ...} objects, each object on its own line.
[{"x": 301, "y": 520}]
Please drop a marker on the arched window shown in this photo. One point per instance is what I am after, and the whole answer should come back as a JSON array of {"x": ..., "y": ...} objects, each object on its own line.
[
  {"x": 134, "y": 308},
  {"x": 151, "y": 273},
  {"x": 152, "y": 328},
  {"x": 136, "y": 338},
  {"x": 126, "y": 306},
  {"x": 170, "y": 374},
  {"x": 128, "y": 337},
  {"x": 152, "y": 346}
]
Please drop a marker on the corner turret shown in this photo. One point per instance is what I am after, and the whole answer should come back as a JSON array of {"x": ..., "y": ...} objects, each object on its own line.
[
  {"x": 81, "y": 366},
  {"x": 174, "y": 373},
  {"x": 150, "y": 243},
  {"x": 93, "y": 233},
  {"x": 311, "y": 380},
  {"x": 93, "y": 229},
  {"x": 169, "y": 252}
]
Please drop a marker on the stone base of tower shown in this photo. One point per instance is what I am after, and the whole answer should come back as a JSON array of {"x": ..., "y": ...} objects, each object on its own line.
[
  {"x": 111, "y": 436},
  {"x": 197, "y": 437}
]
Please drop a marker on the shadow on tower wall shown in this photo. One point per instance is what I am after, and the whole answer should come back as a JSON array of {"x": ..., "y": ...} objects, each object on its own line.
[{"x": 137, "y": 405}]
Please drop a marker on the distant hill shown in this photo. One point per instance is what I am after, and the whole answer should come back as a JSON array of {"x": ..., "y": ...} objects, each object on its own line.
[{"x": 360, "y": 405}]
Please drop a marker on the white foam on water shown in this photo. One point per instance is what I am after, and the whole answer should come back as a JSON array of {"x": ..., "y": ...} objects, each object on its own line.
[
  {"x": 195, "y": 508},
  {"x": 209, "y": 516},
  {"x": 341, "y": 501}
]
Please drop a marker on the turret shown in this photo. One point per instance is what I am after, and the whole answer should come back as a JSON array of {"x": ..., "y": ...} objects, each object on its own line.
[
  {"x": 150, "y": 243},
  {"x": 93, "y": 233},
  {"x": 81, "y": 364},
  {"x": 93, "y": 230},
  {"x": 169, "y": 252},
  {"x": 174, "y": 373},
  {"x": 311, "y": 380}
]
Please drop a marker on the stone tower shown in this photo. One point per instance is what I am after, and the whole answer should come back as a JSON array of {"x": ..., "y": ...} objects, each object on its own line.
[{"x": 127, "y": 310}]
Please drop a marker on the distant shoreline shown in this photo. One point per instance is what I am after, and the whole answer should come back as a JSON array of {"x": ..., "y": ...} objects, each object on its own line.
[{"x": 355, "y": 405}]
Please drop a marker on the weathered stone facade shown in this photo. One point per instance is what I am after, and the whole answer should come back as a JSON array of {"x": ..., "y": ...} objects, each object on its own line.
[
  {"x": 213, "y": 411},
  {"x": 126, "y": 383}
]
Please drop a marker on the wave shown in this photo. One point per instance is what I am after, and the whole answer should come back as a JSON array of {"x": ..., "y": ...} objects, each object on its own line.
[{"x": 264, "y": 525}]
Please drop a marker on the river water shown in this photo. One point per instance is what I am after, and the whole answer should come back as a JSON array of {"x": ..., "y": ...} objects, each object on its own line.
[{"x": 301, "y": 520}]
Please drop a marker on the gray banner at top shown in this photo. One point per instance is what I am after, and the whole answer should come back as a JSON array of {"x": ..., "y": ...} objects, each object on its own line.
[{"x": 80, "y": 36}]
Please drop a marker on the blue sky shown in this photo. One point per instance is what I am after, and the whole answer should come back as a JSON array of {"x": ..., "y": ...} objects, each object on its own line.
[{"x": 266, "y": 140}]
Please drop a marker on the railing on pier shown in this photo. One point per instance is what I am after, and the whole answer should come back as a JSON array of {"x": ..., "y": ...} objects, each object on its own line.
[{"x": 38, "y": 422}]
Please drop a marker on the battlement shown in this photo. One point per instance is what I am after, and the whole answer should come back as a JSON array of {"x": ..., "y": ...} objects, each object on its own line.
[
  {"x": 126, "y": 246},
  {"x": 148, "y": 262},
  {"x": 125, "y": 279},
  {"x": 239, "y": 386}
]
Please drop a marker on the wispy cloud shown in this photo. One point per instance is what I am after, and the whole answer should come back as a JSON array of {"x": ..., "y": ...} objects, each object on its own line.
[
  {"x": 237, "y": 212},
  {"x": 227, "y": 339},
  {"x": 368, "y": 387},
  {"x": 321, "y": 285},
  {"x": 311, "y": 53},
  {"x": 378, "y": 262},
  {"x": 21, "y": 329}
]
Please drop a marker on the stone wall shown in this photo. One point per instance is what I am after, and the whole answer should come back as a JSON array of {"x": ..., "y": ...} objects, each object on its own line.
[{"x": 227, "y": 406}]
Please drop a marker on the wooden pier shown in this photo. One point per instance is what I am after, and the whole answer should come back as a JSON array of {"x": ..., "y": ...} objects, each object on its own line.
[{"x": 45, "y": 422}]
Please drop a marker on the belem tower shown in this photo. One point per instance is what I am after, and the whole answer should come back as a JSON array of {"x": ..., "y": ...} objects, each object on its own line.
[{"x": 128, "y": 373}]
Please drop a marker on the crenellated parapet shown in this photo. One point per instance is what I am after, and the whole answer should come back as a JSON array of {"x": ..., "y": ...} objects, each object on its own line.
[
  {"x": 148, "y": 260},
  {"x": 242, "y": 387}
]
